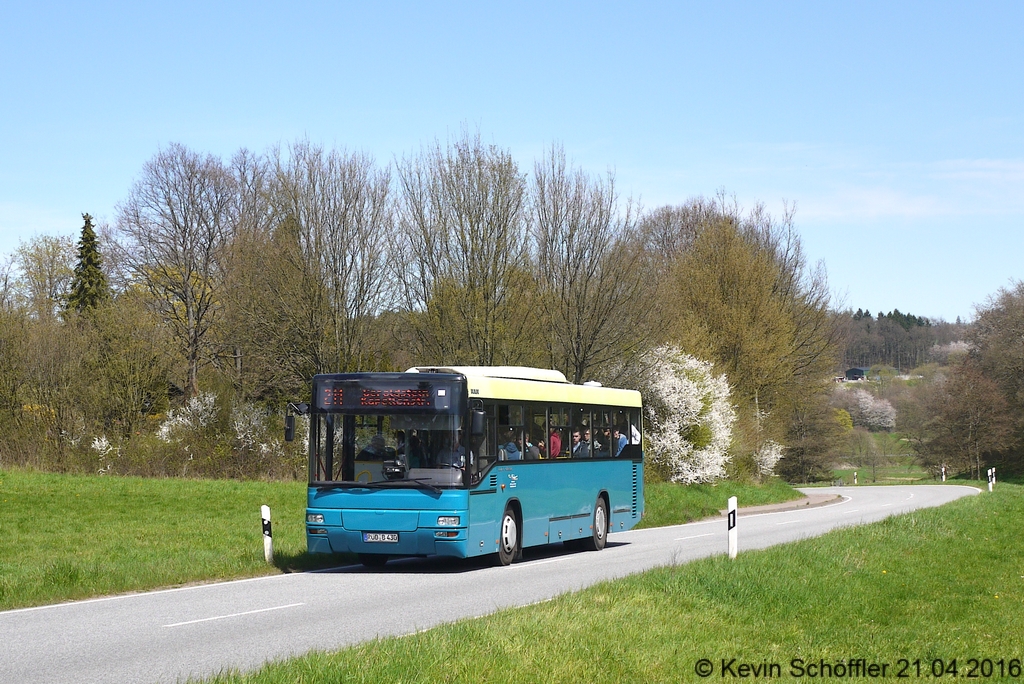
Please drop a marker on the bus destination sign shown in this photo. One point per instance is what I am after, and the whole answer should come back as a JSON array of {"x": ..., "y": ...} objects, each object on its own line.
[
  {"x": 401, "y": 398},
  {"x": 352, "y": 395}
]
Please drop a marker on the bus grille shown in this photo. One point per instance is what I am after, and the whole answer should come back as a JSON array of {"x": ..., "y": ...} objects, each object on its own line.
[
  {"x": 494, "y": 479},
  {"x": 634, "y": 490}
]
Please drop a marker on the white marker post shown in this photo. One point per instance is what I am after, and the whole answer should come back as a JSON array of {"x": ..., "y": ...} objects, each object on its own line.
[
  {"x": 732, "y": 527},
  {"x": 268, "y": 539},
  {"x": 854, "y": 477},
  {"x": 991, "y": 478},
  {"x": 943, "y": 473}
]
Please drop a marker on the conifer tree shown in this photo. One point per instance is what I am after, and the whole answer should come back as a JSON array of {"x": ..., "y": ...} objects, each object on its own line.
[{"x": 89, "y": 285}]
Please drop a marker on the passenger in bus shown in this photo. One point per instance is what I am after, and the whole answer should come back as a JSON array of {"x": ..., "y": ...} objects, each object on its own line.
[
  {"x": 376, "y": 450},
  {"x": 453, "y": 454},
  {"x": 555, "y": 442},
  {"x": 619, "y": 439},
  {"x": 599, "y": 446},
  {"x": 580, "y": 448},
  {"x": 413, "y": 452},
  {"x": 532, "y": 451},
  {"x": 511, "y": 447}
]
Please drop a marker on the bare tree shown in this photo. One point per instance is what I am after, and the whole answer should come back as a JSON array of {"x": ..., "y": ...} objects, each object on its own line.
[
  {"x": 464, "y": 239},
  {"x": 175, "y": 224},
  {"x": 589, "y": 266},
  {"x": 45, "y": 267},
  {"x": 335, "y": 219},
  {"x": 7, "y": 284}
]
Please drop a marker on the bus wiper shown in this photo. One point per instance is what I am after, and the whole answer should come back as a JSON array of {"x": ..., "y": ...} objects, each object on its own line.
[{"x": 426, "y": 483}]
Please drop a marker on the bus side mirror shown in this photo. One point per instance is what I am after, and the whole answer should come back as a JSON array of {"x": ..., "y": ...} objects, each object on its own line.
[
  {"x": 477, "y": 423},
  {"x": 289, "y": 428}
]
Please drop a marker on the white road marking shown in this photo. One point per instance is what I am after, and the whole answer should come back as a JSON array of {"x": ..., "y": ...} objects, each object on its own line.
[
  {"x": 696, "y": 536},
  {"x": 788, "y": 522},
  {"x": 855, "y": 510},
  {"x": 224, "y": 617},
  {"x": 884, "y": 505}
]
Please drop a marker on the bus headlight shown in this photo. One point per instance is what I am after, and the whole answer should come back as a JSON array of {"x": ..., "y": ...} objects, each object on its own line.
[
  {"x": 447, "y": 520},
  {"x": 314, "y": 518}
]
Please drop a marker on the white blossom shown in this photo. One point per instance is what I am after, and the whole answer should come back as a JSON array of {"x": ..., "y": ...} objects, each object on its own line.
[
  {"x": 766, "y": 456},
  {"x": 690, "y": 416},
  {"x": 107, "y": 453},
  {"x": 248, "y": 423},
  {"x": 194, "y": 414},
  {"x": 866, "y": 409},
  {"x": 874, "y": 413}
]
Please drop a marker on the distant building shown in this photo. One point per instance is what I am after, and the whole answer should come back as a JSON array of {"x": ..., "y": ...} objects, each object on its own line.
[{"x": 857, "y": 373}]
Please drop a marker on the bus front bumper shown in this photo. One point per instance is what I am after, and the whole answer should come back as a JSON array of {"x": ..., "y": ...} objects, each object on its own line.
[{"x": 392, "y": 533}]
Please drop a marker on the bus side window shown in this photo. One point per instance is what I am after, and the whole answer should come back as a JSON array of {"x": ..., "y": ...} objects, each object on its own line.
[
  {"x": 537, "y": 432},
  {"x": 510, "y": 432},
  {"x": 600, "y": 433},
  {"x": 485, "y": 448},
  {"x": 629, "y": 424},
  {"x": 558, "y": 442}
]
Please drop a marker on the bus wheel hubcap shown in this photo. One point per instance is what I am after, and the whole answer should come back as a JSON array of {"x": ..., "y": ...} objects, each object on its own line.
[{"x": 508, "y": 534}]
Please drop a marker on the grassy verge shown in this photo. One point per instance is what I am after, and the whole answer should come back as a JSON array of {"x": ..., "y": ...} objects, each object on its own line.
[
  {"x": 72, "y": 536},
  {"x": 65, "y": 537},
  {"x": 935, "y": 585},
  {"x": 672, "y": 504}
]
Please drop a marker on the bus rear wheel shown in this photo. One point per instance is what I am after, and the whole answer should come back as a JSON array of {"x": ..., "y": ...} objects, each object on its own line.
[
  {"x": 373, "y": 560},
  {"x": 508, "y": 541},
  {"x": 599, "y": 529}
]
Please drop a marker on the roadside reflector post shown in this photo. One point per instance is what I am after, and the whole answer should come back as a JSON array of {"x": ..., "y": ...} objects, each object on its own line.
[
  {"x": 732, "y": 527},
  {"x": 268, "y": 539},
  {"x": 991, "y": 478},
  {"x": 943, "y": 473},
  {"x": 854, "y": 477}
]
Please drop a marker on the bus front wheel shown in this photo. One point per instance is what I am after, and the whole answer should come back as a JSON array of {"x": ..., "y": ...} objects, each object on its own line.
[
  {"x": 599, "y": 529},
  {"x": 508, "y": 542}
]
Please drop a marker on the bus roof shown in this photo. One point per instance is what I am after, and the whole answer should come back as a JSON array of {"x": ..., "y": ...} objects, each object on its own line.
[
  {"x": 533, "y": 384},
  {"x": 507, "y": 372}
]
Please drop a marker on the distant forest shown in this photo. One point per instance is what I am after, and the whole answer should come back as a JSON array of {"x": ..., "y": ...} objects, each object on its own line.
[{"x": 900, "y": 340}]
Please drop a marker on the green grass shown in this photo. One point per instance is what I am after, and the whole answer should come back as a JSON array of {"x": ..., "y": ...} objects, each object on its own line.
[
  {"x": 935, "y": 584},
  {"x": 887, "y": 474},
  {"x": 671, "y": 504},
  {"x": 65, "y": 537}
]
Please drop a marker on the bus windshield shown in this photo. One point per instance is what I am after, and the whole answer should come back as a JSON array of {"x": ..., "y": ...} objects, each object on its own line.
[{"x": 388, "y": 449}]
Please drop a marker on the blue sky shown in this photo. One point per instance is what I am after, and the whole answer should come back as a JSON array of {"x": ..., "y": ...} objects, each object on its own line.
[{"x": 896, "y": 129}]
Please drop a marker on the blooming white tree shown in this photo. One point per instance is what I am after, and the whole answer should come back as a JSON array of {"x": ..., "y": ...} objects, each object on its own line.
[
  {"x": 866, "y": 410},
  {"x": 196, "y": 413},
  {"x": 690, "y": 417},
  {"x": 875, "y": 413},
  {"x": 766, "y": 456}
]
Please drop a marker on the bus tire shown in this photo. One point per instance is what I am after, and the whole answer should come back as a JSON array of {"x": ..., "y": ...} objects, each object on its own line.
[
  {"x": 599, "y": 528},
  {"x": 373, "y": 560},
  {"x": 508, "y": 537}
]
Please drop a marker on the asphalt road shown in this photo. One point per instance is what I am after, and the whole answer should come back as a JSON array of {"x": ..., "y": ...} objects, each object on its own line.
[{"x": 166, "y": 636}]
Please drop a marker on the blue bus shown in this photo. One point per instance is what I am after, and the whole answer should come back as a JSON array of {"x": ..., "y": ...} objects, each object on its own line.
[{"x": 468, "y": 461}]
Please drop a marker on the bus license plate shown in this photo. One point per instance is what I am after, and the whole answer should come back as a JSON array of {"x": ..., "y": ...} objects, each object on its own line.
[{"x": 387, "y": 537}]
